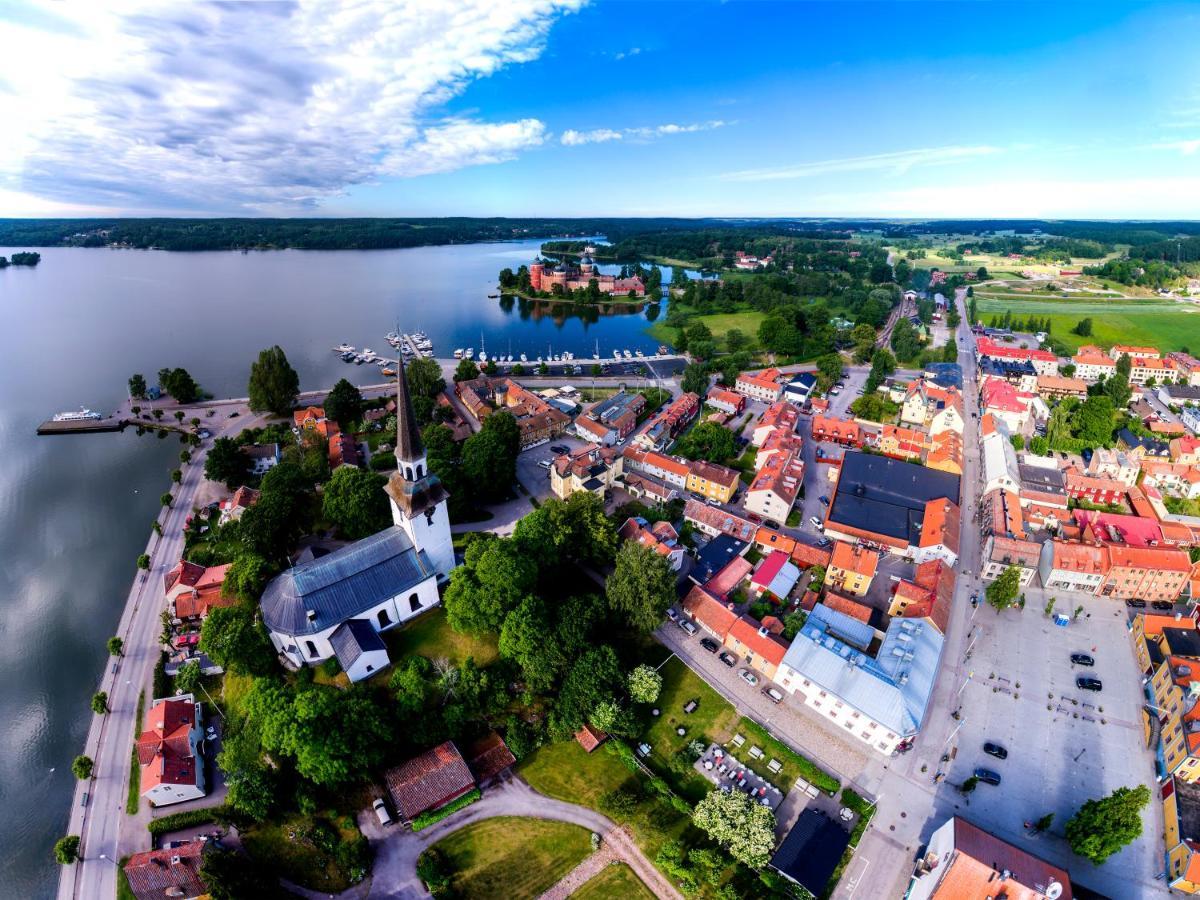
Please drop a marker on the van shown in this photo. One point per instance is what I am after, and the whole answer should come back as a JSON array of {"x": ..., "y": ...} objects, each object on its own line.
[
  {"x": 773, "y": 695},
  {"x": 381, "y": 812}
]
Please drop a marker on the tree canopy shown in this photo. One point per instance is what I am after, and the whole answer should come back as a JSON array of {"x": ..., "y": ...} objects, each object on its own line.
[
  {"x": 226, "y": 463},
  {"x": 738, "y": 823},
  {"x": 707, "y": 440},
  {"x": 641, "y": 586},
  {"x": 344, "y": 402},
  {"x": 1102, "y": 827},
  {"x": 179, "y": 384},
  {"x": 232, "y": 639},
  {"x": 493, "y": 579},
  {"x": 274, "y": 384},
  {"x": 1002, "y": 593},
  {"x": 489, "y": 457},
  {"x": 354, "y": 500}
]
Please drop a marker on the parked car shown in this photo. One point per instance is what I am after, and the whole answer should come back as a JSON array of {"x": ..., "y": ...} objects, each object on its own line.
[
  {"x": 1085, "y": 683},
  {"x": 687, "y": 625},
  {"x": 1082, "y": 659},
  {"x": 771, "y": 523},
  {"x": 727, "y": 658},
  {"x": 995, "y": 750},
  {"x": 560, "y": 448},
  {"x": 544, "y": 463},
  {"x": 1136, "y": 604},
  {"x": 747, "y": 676},
  {"x": 713, "y": 501},
  {"x": 816, "y": 523},
  {"x": 987, "y": 776},
  {"x": 823, "y": 541},
  {"x": 672, "y": 614},
  {"x": 824, "y": 501},
  {"x": 381, "y": 812},
  {"x": 710, "y": 645},
  {"x": 1162, "y": 605},
  {"x": 773, "y": 695}
]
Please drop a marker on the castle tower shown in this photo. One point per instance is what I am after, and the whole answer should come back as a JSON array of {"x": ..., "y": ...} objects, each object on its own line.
[
  {"x": 417, "y": 496},
  {"x": 535, "y": 275}
]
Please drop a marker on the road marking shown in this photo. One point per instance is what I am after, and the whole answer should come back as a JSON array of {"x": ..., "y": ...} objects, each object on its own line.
[{"x": 854, "y": 881}]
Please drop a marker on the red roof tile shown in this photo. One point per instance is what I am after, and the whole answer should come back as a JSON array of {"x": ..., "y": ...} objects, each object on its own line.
[{"x": 428, "y": 781}]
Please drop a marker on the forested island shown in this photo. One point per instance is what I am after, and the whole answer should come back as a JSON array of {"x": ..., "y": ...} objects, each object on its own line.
[{"x": 21, "y": 259}]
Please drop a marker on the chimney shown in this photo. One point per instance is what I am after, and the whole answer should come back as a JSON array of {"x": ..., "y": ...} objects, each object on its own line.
[{"x": 311, "y": 614}]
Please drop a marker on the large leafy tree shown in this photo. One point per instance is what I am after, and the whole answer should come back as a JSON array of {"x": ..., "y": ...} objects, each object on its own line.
[
  {"x": 1094, "y": 421},
  {"x": 905, "y": 340},
  {"x": 489, "y": 457},
  {"x": 355, "y": 501},
  {"x": 592, "y": 679},
  {"x": 641, "y": 586},
  {"x": 523, "y": 638},
  {"x": 466, "y": 370},
  {"x": 709, "y": 441},
  {"x": 495, "y": 576},
  {"x": 425, "y": 382},
  {"x": 226, "y": 463},
  {"x": 645, "y": 684},
  {"x": 572, "y": 530},
  {"x": 739, "y": 824},
  {"x": 863, "y": 336},
  {"x": 229, "y": 875},
  {"x": 344, "y": 402},
  {"x": 695, "y": 379},
  {"x": 1102, "y": 827},
  {"x": 247, "y": 576},
  {"x": 137, "y": 386},
  {"x": 234, "y": 640},
  {"x": 252, "y": 784},
  {"x": 883, "y": 364},
  {"x": 578, "y": 618},
  {"x": 829, "y": 369},
  {"x": 179, "y": 384},
  {"x": 1002, "y": 593},
  {"x": 274, "y": 384}
]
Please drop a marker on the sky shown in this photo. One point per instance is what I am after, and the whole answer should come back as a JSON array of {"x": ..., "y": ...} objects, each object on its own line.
[{"x": 571, "y": 108}]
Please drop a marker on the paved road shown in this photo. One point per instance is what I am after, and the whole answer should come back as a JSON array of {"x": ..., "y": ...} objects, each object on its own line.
[
  {"x": 396, "y": 850},
  {"x": 107, "y": 833}
]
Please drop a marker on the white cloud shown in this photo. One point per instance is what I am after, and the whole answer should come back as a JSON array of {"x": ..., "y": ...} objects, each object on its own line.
[
  {"x": 625, "y": 54},
  {"x": 228, "y": 107},
  {"x": 898, "y": 163},
  {"x": 573, "y": 138},
  {"x": 1187, "y": 148}
]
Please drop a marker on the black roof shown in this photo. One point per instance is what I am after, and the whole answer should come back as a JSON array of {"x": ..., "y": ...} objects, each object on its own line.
[
  {"x": 811, "y": 851},
  {"x": 887, "y": 496},
  {"x": 1182, "y": 642},
  {"x": 352, "y": 639},
  {"x": 1040, "y": 478},
  {"x": 715, "y": 556},
  {"x": 945, "y": 374},
  {"x": 1005, "y": 368},
  {"x": 347, "y": 582},
  {"x": 1182, "y": 391},
  {"x": 1153, "y": 447}
]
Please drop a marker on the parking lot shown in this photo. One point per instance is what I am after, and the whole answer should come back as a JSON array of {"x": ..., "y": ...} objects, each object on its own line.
[{"x": 1065, "y": 745}]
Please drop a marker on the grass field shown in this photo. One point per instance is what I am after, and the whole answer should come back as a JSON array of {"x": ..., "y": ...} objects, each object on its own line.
[
  {"x": 431, "y": 636},
  {"x": 1163, "y": 324},
  {"x": 513, "y": 857},
  {"x": 719, "y": 324},
  {"x": 614, "y": 883}
]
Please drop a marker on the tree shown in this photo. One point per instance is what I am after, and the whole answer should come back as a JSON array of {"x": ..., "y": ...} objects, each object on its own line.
[
  {"x": 274, "y": 384},
  {"x": 176, "y": 476},
  {"x": 792, "y": 623},
  {"x": 739, "y": 824},
  {"x": 187, "y": 679},
  {"x": 82, "y": 767},
  {"x": 354, "y": 500},
  {"x": 574, "y": 530},
  {"x": 489, "y": 457},
  {"x": 1002, "y": 593},
  {"x": 695, "y": 379},
  {"x": 708, "y": 440},
  {"x": 641, "y": 586},
  {"x": 613, "y": 718},
  {"x": 905, "y": 341},
  {"x": 137, "y": 386},
  {"x": 863, "y": 336},
  {"x": 143, "y": 561},
  {"x": 344, "y": 403},
  {"x": 232, "y": 639},
  {"x": 1102, "y": 827},
  {"x": 116, "y": 646},
  {"x": 179, "y": 384},
  {"x": 226, "y": 463},
  {"x": 100, "y": 702},
  {"x": 593, "y": 678},
  {"x": 246, "y": 577},
  {"x": 466, "y": 370},
  {"x": 165, "y": 498},
  {"x": 523, "y": 639},
  {"x": 883, "y": 364},
  {"x": 829, "y": 370},
  {"x": 411, "y": 683},
  {"x": 66, "y": 850},
  {"x": 1118, "y": 390},
  {"x": 494, "y": 577},
  {"x": 1083, "y": 328},
  {"x": 644, "y": 684},
  {"x": 735, "y": 340},
  {"x": 1093, "y": 421}
]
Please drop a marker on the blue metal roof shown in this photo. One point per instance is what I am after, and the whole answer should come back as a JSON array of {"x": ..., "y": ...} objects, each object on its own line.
[
  {"x": 352, "y": 639},
  {"x": 344, "y": 583}
]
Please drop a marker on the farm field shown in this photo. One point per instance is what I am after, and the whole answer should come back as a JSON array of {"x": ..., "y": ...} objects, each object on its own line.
[{"x": 1163, "y": 324}]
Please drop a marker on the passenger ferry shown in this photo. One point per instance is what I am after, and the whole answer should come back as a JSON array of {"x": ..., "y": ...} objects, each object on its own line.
[{"x": 80, "y": 415}]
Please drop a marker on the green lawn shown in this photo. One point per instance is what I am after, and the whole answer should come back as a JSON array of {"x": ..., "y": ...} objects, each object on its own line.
[
  {"x": 134, "y": 788},
  {"x": 431, "y": 636},
  {"x": 746, "y": 321},
  {"x": 617, "y": 882},
  {"x": 513, "y": 857},
  {"x": 299, "y": 848},
  {"x": 794, "y": 765},
  {"x": 1163, "y": 324}
]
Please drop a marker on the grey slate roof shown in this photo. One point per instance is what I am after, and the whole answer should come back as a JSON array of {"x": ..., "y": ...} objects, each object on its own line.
[
  {"x": 344, "y": 583},
  {"x": 352, "y": 639},
  {"x": 408, "y": 435}
]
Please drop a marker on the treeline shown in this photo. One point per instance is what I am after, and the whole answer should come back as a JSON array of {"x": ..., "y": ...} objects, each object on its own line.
[
  {"x": 711, "y": 248},
  {"x": 21, "y": 259}
]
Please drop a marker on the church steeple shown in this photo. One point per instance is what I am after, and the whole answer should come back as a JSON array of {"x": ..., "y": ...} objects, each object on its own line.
[{"x": 408, "y": 437}]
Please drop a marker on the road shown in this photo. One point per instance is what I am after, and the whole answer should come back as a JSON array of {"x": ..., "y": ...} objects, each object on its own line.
[{"x": 107, "y": 833}]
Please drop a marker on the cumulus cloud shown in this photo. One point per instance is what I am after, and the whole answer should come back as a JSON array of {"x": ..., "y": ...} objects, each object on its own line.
[
  {"x": 1186, "y": 148},
  {"x": 572, "y": 138},
  {"x": 898, "y": 162},
  {"x": 271, "y": 106}
]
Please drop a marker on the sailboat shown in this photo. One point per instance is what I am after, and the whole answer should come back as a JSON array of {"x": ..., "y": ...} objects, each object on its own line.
[
  {"x": 482, "y": 349},
  {"x": 596, "y": 355}
]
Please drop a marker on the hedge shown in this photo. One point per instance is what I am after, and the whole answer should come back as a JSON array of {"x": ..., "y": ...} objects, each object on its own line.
[
  {"x": 425, "y": 819},
  {"x": 189, "y": 819}
]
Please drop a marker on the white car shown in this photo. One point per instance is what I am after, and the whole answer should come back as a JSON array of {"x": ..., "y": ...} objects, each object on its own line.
[
  {"x": 544, "y": 463},
  {"x": 747, "y": 676},
  {"x": 816, "y": 523}
]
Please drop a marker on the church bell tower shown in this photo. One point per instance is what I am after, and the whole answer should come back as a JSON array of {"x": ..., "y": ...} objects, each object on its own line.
[{"x": 417, "y": 496}]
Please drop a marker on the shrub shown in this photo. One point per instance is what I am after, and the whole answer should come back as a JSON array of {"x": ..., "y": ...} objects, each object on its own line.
[
  {"x": 434, "y": 870},
  {"x": 425, "y": 819},
  {"x": 382, "y": 462},
  {"x": 189, "y": 819}
]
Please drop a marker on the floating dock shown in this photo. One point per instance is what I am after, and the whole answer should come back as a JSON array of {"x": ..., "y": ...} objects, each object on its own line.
[{"x": 82, "y": 426}]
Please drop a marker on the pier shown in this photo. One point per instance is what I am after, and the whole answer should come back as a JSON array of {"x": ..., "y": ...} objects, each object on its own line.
[{"x": 82, "y": 426}]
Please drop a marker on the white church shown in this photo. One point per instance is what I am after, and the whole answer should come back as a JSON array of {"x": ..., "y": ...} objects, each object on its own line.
[{"x": 336, "y": 605}]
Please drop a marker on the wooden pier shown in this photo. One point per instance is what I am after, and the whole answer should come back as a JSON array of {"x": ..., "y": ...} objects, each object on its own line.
[{"x": 82, "y": 426}]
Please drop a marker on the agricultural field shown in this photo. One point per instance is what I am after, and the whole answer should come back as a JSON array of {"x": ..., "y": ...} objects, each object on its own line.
[{"x": 1165, "y": 324}]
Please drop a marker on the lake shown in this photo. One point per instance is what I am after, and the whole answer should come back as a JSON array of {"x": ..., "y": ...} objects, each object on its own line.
[{"x": 77, "y": 510}]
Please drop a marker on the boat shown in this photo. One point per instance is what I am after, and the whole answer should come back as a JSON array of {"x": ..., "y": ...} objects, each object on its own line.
[
  {"x": 344, "y": 348},
  {"x": 639, "y": 354},
  {"x": 493, "y": 296},
  {"x": 428, "y": 354},
  {"x": 596, "y": 355},
  {"x": 663, "y": 349},
  {"x": 458, "y": 352},
  {"x": 80, "y": 415},
  {"x": 470, "y": 354},
  {"x": 348, "y": 356},
  {"x": 628, "y": 355},
  {"x": 388, "y": 371},
  {"x": 524, "y": 358},
  {"x": 539, "y": 360},
  {"x": 482, "y": 349}
]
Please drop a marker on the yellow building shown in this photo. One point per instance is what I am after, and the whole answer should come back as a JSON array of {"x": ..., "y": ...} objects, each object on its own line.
[
  {"x": 1168, "y": 651},
  {"x": 1181, "y": 818},
  {"x": 851, "y": 569},
  {"x": 592, "y": 468},
  {"x": 712, "y": 481}
]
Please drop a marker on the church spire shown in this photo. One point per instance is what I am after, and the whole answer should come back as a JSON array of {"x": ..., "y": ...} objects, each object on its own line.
[{"x": 408, "y": 436}]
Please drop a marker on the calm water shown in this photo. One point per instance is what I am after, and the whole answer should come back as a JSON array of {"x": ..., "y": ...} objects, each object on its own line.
[{"x": 76, "y": 511}]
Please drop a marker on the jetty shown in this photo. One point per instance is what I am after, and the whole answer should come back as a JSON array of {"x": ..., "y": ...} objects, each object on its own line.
[{"x": 82, "y": 426}]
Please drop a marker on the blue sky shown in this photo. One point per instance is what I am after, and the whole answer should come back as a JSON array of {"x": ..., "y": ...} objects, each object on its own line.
[{"x": 554, "y": 107}]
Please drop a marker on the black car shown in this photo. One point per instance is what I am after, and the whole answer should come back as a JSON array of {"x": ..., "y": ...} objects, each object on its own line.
[
  {"x": 995, "y": 750},
  {"x": 824, "y": 501},
  {"x": 709, "y": 644},
  {"x": 560, "y": 448},
  {"x": 1082, "y": 659},
  {"x": 728, "y": 658},
  {"x": 987, "y": 776},
  {"x": 1085, "y": 683},
  {"x": 1136, "y": 604},
  {"x": 1162, "y": 605}
]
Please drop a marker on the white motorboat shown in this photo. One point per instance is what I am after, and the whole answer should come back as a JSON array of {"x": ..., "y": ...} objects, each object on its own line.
[
  {"x": 80, "y": 415},
  {"x": 639, "y": 354},
  {"x": 470, "y": 354},
  {"x": 344, "y": 348},
  {"x": 524, "y": 358},
  {"x": 628, "y": 355},
  {"x": 458, "y": 352}
]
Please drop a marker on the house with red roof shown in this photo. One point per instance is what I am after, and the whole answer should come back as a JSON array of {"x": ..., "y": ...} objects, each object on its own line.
[
  {"x": 781, "y": 416},
  {"x": 658, "y": 465},
  {"x": 709, "y": 612},
  {"x": 660, "y": 537},
  {"x": 429, "y": 781},
  {"x": 727, "y": 401},
  {"x": 170, "y": 872},
  {"x": 343, "y": 451},
  {"x": 193, "y": 590},
  {"x": 169, "y": 751},
  {"x": 838, "y": 431},
  {"x": 243, "y": 498},
  {"x": 762, "y": 385},
  {"x": 759, "y": 648},
  {"x": 776, "y": 575}
]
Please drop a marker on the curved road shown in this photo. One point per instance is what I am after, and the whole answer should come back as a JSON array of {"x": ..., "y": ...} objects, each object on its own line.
[{"x": 395, "y": 873}]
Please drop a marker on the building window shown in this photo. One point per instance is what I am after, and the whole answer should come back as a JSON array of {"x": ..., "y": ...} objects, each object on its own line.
[
  {"x": 414, "y": 603},
  {"x": 312, "y": 649},
  {"x": 384, "y": 619}
]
